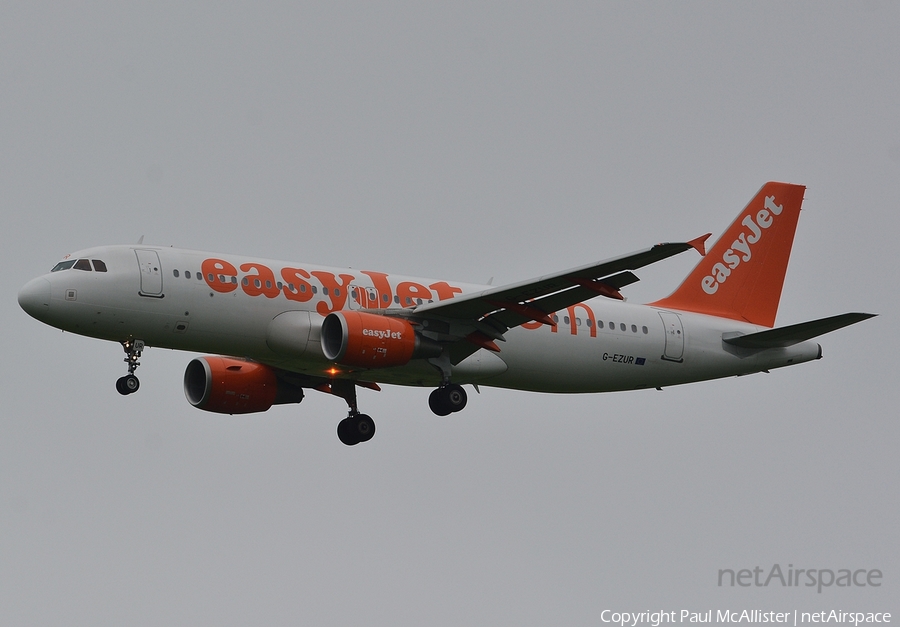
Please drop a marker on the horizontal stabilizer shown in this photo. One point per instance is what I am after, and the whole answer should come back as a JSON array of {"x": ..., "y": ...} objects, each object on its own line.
[{"x": 795, "y": 333}]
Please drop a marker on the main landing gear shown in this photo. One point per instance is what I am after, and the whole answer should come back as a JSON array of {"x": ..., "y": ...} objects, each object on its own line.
[
  {"x": 356, "y": 427},
  {"x": 447, "y": 399},
  {"x": 129, "y": 384}
]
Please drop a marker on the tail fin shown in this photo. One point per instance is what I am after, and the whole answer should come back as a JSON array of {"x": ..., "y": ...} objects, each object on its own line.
[{"x": 742, "y": 276}]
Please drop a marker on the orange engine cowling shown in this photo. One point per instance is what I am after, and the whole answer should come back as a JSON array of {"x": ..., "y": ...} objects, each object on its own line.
[
  {"x": 226, "y": 385},
  {"x": 356, "y": 338}
]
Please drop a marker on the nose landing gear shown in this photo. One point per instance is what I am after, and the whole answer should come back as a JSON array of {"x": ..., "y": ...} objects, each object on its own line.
[{"x": 129, "y": 384}]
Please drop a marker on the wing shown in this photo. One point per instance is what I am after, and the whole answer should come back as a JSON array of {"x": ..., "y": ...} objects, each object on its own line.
[{"x": 485, "y": 316}]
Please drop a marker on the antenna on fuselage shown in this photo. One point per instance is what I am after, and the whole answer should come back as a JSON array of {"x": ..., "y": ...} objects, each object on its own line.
[{"x": 140, "y": 240}]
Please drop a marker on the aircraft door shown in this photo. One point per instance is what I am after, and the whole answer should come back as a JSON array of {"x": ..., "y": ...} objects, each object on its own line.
[
  {"x": 674, "y": 350},
  {"x": 362, "y": 297},
  {"x": 151, "y": 273}
]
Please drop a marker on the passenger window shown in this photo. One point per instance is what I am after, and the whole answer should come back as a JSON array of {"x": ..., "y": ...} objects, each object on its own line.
[
  {"x": 644, "y": 329},
  {"x": 63, "y": 265},
  {"x": 622, "y": 326},
  {"x": 99, "y": 266},
  {"x": 600, "y": 324},
  {"x": 555, "y": 318},
  {"x": 634, "y": 328},
  {"x": 325, "y": 291},
  {"x": 175, "y": 273},
  {"x": 268, "y": 285},
  {"x": 612, "y": 326},
  {"x": 565, "y": 319},
  {"x": 187, "y": 274},
  {"x": 578, "y": 321},
  {"x": 82, "y": 264},
  {"x": 589, "y": 323},
  {"x": 386, "y": 298}
]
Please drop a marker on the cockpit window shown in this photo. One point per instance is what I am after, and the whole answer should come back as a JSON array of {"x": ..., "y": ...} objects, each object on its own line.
[
  {"x": 63, "y": 265},
  {"x": 82, "y": 264},
  {"x": 99, "y": 266}
]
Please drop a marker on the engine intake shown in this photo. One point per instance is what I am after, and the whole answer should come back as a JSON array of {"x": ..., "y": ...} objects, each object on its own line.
[
  {"x": 355, "y": 338},
  {"x": 226, "y": 385}
]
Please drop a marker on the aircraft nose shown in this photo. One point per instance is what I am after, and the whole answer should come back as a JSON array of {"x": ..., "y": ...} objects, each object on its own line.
[{"x": 34, "y": 298}]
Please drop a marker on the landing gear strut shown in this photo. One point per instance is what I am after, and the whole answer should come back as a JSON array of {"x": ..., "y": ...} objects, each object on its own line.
[
  {"x": 129, "y": 384},
  {"x": 447, "y": 399},
  {"x": 356, "y": 427}
]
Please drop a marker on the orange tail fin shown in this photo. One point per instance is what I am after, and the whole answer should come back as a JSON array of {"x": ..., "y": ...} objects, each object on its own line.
[{"x": 742, "y": 276}]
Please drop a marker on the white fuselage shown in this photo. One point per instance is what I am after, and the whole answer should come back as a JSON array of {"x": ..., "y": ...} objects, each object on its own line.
[{"x": 226, "y": 304}]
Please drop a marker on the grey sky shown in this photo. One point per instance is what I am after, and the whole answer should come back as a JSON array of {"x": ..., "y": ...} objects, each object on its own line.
[{"x": 462, "y": 142}]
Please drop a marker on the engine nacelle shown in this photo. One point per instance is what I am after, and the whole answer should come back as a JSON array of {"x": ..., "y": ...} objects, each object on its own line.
[
  {"x": 235, "y": 386},
  {"x": 356, "y": 338}
]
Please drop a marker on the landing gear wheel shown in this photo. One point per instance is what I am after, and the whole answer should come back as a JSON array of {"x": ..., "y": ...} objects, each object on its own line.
[
  {"x": 131, "y": 383},
  {"x": 346, "y": 434},
  {"x": 447, "y": 399},
  {"x": 456, "y": 397},
  {"x": 438, "y": 403},
  {"x": 364, "y": 426},
  {"x": 356, "y": 428},
  {"x": 127, "y": 384}
]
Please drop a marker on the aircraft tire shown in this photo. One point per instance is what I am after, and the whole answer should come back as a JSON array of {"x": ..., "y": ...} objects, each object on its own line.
[
  {"x": 131, "y": 383},
  {"x": 437, "y": 401},
  {"x": 455, "y": 397},
  {"x": 346, "y": 433},
  {"x": 120, "y": 386},
  {"x": 364, "y": 426}
]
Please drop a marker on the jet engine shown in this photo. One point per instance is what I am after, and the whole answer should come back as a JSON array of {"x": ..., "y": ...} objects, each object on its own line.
[
  {"x": 235, "y": 386},
  {"x": 356, "y": 338}
]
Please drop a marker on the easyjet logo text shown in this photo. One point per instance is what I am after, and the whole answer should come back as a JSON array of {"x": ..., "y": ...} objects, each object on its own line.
[
  {"x": 383, "y": 335},
  {"x": 741, "y": 250},
  {"x": 330, "y": 290}
]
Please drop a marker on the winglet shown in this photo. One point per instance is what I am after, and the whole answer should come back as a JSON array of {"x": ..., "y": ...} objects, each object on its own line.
[{"x": 699, "y": 244}]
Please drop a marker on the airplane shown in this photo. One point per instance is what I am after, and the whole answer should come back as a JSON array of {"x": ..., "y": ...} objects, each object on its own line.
[{"x": 277, "y": 328}]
